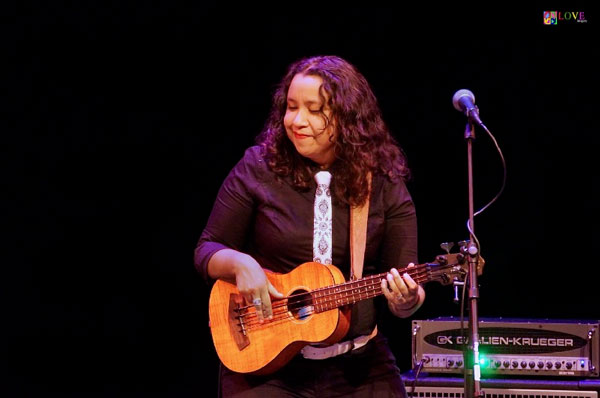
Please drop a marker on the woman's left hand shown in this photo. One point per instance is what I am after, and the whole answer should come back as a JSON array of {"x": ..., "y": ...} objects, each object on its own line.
[{"x": 401, "y": 291}]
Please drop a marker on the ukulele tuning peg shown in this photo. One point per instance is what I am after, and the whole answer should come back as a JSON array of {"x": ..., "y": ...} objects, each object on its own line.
[
  {"x": 447, "y": 246},
  {"x": 463, "y": 244},
  {"x": 441, "y": 259},
  {"x": 456, "y": 285}
]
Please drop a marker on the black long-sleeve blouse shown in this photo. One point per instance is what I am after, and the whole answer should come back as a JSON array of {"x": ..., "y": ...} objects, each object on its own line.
[{"x": 264, "y": 216}]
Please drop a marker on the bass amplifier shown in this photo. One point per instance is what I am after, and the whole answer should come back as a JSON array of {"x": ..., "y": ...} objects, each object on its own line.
[
  {"x": 519, "y": 347},
  {"x": 453, "y": 392},
  {"x": 446, "y": 386}
]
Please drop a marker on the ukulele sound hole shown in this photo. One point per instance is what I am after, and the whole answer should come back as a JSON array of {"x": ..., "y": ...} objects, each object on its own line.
[{"x": 300, "y": 304}]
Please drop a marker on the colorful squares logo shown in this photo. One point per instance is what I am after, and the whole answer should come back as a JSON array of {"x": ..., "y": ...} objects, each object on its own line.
[{"x": 550, "y": 18}]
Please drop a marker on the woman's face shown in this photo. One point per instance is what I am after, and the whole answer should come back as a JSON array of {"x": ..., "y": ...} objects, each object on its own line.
[{"x": 304, "y": 122}]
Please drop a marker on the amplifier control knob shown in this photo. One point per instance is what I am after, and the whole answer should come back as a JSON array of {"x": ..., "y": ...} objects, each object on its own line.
[
  {"x": 557, "y": 365},
  {"x": 459, "y": 363},
  {"x": 569, "y": 365},
  {"x": 549, "y": 365},
  {"x": 532, "y": 364},
  {"x": 497, "y": 364},
  {"x": 540, "y": 364},
  {"x": 515, "y": 364},
  {"x": 506, "y": 364},
  {"x": 450, "y": 362},
  {"x": 523, "y": 364}
]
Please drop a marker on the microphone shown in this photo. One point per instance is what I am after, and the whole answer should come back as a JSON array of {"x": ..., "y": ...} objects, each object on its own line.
[{"x": 464, "y": 101}]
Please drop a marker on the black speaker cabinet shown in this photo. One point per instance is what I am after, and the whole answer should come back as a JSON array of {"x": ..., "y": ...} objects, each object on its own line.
[{"x": 427, "y": 386}]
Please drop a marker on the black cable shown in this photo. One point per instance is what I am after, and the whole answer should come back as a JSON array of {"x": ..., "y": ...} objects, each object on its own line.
[
  {"x": 469, "y": 226},
  {"x": 414, "y": 383}
]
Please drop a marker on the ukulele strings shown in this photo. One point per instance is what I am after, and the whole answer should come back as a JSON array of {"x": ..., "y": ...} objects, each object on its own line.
[
  {"x": 415, "y": 273},
  {"x": 326, "y": 300},
  {"x": 283, "y": 314},
  {"x": 281, "y": 309}
]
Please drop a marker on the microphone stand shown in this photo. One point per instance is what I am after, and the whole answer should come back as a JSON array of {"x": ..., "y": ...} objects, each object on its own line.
[{"x": 471, "y": 354}]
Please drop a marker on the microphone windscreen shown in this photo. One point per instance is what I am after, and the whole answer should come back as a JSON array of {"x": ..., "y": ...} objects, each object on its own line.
[{"x": 460, "y": 94}]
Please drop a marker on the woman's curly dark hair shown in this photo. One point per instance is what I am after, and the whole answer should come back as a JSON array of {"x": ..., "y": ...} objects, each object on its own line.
[{"x": 363, "y": 144}]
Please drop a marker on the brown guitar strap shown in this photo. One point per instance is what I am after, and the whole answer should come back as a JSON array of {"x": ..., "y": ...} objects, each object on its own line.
[{"x": 358, "y": 235}]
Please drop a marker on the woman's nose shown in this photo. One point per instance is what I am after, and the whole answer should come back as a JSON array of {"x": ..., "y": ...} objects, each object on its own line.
[{"x": 299, "y": 118}]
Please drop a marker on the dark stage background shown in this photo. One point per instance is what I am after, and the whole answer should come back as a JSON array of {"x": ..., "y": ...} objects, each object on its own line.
[{"x": 121, "y": 123}]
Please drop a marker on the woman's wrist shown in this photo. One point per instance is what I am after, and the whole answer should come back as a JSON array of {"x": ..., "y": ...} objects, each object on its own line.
[
  {"x": 409, "y": 308},
  {"x": 404, "y": 310}
]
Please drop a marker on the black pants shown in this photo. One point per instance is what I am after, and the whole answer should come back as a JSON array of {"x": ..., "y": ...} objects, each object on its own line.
[{"x": 369, "y": 371}]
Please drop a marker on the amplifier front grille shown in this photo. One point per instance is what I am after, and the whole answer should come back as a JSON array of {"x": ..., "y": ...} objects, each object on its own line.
[{"x": 456, "y": 392}]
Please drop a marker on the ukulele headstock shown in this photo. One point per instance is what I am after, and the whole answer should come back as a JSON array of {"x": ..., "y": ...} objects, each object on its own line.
[{"x": 452, "y": 267}]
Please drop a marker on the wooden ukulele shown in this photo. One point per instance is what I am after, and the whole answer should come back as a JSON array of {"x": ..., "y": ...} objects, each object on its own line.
[{"x": 316, "y": 309}]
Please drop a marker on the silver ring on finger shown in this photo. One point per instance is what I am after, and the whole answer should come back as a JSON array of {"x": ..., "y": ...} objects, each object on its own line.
[{"x": 257, "y": 302}]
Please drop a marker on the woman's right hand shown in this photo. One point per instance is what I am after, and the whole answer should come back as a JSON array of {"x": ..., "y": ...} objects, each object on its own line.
[{"x": 254, "y": 286}]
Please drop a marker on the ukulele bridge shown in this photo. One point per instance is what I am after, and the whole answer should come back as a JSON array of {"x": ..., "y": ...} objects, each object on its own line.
[{"x": 236, "y": 322}]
